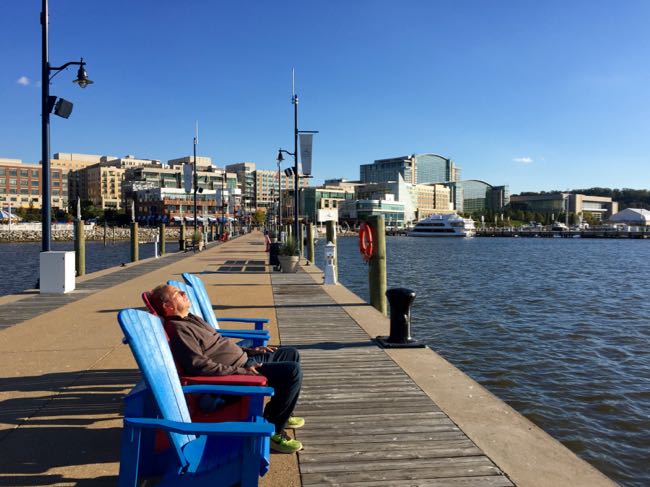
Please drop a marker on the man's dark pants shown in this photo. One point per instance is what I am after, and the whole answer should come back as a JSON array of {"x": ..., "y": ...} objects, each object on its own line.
[{"x": 284, "y": 374}]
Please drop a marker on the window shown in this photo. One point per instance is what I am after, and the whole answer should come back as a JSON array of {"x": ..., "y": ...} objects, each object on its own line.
[
  {"x": 24, "y": 173},
  {"x": 34, "y": 191},
  {"x": 2, "y": 171},
  {"x": 2, "y": 181},
  {"x": 34, "y": 183},
  {"x": 24, "y": 191},
  {"x": 12, "y": 182},
  {"x": 34, "y": 173},
  {"x": 12, "y": 172}
]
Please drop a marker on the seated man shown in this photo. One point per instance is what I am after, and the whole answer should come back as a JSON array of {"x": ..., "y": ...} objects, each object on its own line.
[{"x": 201, "y": 350}]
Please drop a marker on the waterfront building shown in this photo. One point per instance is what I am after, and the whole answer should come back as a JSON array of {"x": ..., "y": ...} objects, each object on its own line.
[
  {"x": 20, "y": 185},
  {"x": 414, "y": 169},
  {"x": 632, "y": 216},
  {"x": 419, "y": 200},
  {"x": 203, "y": 163},
  {"x": 267, "y": 190},
  {"x": 167, "y": 204},
  {"x": 597, "y": 207},
  {"x": 68, "y": 163},
  {"x": 245, "y": 173},
  {"x": 101, "y": 182},
  {"x": 472, "y": 196},
  {"x": 354, "y": 211},
  {"x": 321, "y": 204}
]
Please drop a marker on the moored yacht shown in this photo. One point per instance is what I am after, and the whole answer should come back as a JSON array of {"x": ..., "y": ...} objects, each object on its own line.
[{"x": 444, "y": 225}]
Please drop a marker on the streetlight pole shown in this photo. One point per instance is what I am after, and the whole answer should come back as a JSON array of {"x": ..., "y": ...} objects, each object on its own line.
[
  {"x": 279, "y": 216},
  {"x": 195, "y": 181},
  {"x": 47, "y": 103},
  {"x": 296, "y": 175},
  {"x": 223, "y": 205}
]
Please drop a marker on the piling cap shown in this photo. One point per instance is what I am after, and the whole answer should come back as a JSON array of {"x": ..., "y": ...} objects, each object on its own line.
[{"x": 400, "y": 292}]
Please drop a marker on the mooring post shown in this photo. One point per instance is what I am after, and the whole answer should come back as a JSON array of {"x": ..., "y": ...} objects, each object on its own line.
[
  {"x": 80, "y": 247},
  {"x": 104, "y": 233},
  {"x": 310, "y": 243},
  {"x": 134, "y": 242},
  {"x": 377, "y": 264},
  {"x": 330, "y": 236},
  {"x": 161, "y": 231}
]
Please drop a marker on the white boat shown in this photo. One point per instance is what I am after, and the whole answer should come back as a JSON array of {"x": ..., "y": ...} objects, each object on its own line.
[{"x": 447, "y": 225}]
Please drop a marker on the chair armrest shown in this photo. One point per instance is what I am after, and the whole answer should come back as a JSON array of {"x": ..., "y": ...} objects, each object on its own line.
[
  {"x": 253, "y": 391},
  {"x": 259, "y": 322},
  {"x": 255, "y": 429},
  {"x": 233, "y": 380},
  {"x": 250, "y": 334}
]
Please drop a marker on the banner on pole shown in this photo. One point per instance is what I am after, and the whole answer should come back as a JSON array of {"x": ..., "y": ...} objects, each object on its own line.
[
  {"x": 305, "y": 154},
  {"x": 188, "y": 174}
]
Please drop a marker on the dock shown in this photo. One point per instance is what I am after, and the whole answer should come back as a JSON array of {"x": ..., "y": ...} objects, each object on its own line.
[{"x": 374, "y": 417}]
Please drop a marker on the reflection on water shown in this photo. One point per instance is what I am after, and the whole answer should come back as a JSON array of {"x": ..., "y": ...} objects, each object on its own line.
[
  {"x": 19, "y": 261},
  {"x": 558, "y": 328}
]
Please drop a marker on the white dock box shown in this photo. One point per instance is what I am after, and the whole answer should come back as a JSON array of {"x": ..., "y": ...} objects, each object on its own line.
[{"x": 57, "y": 272}]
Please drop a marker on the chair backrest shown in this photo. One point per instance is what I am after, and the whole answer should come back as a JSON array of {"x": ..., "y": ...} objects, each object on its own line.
[
  {"x": 203, "y": 299},
  {"x": 146, "y": 299},
  {"x": 144, "y": 334},
  {"x": 194, "y": 301}
]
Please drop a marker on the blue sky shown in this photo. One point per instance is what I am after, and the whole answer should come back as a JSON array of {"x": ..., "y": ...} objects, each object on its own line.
[{"x": 537, "y": 95}]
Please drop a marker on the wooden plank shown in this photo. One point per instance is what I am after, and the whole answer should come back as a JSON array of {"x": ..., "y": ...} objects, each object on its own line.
[
  {"x": 491, "y": 481},
  {"x": 437, "y": 467},
  {"x": 457, "y": 441}
]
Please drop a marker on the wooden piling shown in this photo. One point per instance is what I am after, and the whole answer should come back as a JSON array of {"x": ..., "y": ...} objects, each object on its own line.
[
  {"x": 134, "y": 242},
  {"x": 310, "y": 243},
  {"x": 162, "y": 239},
  {"x": 181, "y": 238},
  {"x": 377, "y": 264},
  {"x": 80, "y": 247}
]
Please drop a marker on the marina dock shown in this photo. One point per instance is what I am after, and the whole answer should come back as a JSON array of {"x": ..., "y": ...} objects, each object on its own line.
[{"x": 373, "y": 416}]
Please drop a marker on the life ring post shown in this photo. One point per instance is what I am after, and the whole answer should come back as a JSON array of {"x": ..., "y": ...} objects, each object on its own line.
[{"x": 377, "y": 264}]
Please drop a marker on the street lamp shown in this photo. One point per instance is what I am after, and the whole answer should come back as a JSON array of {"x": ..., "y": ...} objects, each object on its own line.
[
  {"x": 280, "y": 159},
  {"x": 47, "y": 104}
]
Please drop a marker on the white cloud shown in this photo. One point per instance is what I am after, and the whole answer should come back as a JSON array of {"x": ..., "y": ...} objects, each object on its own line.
[
  {"x": 24, "y": 81},
  {"x": 523, "y": 160}
]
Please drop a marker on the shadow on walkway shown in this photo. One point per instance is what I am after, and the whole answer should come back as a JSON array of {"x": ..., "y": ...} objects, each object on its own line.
[{"x": 70, "y": 420}]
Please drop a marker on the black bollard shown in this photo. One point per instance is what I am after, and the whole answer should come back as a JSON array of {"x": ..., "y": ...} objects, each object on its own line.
[{"x": 400, "y": 301}]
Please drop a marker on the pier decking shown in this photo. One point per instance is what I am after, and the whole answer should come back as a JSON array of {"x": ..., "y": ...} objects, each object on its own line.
[{"x": 367, "y": 422}]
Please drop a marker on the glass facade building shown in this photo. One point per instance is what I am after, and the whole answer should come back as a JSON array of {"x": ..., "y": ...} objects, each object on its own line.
[{"x": 414, "y": 169}]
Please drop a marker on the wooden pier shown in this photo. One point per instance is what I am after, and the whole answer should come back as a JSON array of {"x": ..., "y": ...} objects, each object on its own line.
[{"x": 374, "y": 417}]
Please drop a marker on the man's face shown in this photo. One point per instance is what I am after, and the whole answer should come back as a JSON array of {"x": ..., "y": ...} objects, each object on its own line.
[{"x": 177, "y": 302}]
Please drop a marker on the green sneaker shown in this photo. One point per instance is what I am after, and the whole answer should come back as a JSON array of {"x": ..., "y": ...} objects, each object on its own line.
[
  {"x": 280, "y": 442},
  {"x": 295, "y": 422}
]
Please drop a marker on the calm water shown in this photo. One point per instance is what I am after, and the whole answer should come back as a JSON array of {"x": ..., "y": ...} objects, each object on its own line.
[
  {"x": 558, "y": 328},
  {"x": 19, "y": 261}
]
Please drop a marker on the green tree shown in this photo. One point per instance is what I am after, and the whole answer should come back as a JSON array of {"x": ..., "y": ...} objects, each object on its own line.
[{"x": 259, "y": 217}]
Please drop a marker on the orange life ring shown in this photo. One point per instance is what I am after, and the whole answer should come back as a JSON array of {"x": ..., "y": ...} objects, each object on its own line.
[{"x": 365, "y": 241}]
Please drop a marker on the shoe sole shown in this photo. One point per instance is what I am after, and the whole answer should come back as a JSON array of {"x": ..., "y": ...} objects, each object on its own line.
[{"x": 285, "y": 451}]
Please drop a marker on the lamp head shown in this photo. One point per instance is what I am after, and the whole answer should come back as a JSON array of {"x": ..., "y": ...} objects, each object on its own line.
[
  {"x": 279, "y": 158},
  {"x": 82, "y": 77}
]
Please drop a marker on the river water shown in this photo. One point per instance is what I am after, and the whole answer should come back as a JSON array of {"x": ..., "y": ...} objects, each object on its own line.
[
  {"x": 557, "y": 328},
  {"x": 19, "y": 261}
]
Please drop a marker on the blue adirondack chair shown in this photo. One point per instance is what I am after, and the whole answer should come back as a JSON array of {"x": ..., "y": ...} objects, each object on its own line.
[
  {"x": 250, "y": 338},
  {"x": 223, "y": 454},
  {"x": 206, "y": 305}
]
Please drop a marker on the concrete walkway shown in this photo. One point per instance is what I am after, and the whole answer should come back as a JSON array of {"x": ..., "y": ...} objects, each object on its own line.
[{"x": 65, "y": 370}]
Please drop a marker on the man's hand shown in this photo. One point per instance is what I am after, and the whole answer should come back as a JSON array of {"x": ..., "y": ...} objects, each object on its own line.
[
  {"x": 253, "y": 369},
  {"x": 259, "y": 350}
]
